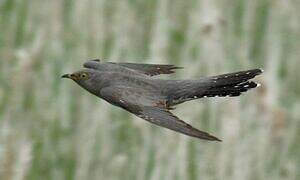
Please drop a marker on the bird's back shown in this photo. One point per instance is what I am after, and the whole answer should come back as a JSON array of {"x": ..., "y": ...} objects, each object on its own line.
[{"x": 123, "y": 78}]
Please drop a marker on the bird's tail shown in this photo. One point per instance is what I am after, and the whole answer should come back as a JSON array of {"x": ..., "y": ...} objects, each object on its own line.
[{"x": 231, "y": 84}]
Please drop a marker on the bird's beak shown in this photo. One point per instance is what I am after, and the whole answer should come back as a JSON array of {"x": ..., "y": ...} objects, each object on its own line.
[{"x": 65, "y": 76}]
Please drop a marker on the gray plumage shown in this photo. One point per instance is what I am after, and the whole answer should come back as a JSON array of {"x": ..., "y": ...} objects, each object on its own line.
[{"x": 132, "y": 87}]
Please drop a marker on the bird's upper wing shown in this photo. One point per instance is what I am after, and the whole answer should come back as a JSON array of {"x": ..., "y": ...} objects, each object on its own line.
[
  {"x": 148, "y": 69},
  {"x": 141, "y": 106},
  {"x": 151, "y": 69}
]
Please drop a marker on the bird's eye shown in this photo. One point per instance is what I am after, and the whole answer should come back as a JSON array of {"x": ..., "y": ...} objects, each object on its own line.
[{"x": 83, "y": 76}]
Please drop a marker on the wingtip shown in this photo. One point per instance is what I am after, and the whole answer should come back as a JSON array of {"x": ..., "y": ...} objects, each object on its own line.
[
  {"x": 96, "y": 60},
  {"x": 173, "y": 67},
  {"x": 178, "y": 67},
  {"x": 212, "y": 138},
  {"x": 216, "y": 139}
]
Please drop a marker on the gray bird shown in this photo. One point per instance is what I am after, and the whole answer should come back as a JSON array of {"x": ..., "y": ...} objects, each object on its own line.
[{"x": 132, "y": 87}]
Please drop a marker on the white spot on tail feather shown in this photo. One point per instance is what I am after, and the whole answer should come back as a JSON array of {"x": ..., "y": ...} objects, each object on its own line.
[{"x": 261, "y": 70}]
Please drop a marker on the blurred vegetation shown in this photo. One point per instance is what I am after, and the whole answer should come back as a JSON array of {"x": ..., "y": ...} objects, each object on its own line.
[{"x": 52, "y": 129}]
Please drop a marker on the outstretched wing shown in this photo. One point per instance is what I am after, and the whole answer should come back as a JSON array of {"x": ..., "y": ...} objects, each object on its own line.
[
  {"x": 148, "y": 69},
  {"x": 151, "y": 69},
  {"x": 165, "y": 118},
  {"x": 149, "y": 109}
]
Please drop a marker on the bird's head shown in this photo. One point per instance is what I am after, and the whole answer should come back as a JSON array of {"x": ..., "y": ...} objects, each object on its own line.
[
  {"x": 78, "y": 76},
  {"x": 86, "y": 78}
]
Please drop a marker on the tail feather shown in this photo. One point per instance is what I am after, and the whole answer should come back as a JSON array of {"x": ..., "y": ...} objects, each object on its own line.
[
  {"x": 231, "y": 84},
  {"x": 234, "y": 78},
  {"x": 230, "y": 90}
]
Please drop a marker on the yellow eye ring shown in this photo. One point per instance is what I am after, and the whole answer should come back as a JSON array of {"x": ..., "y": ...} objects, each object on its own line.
[{"x": 83, "y": 76}]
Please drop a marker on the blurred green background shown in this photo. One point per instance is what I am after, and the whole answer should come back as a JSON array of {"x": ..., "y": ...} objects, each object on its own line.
[{"x": 53, "y": 129}]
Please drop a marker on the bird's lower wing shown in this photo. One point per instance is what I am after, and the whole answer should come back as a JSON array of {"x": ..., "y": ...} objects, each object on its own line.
[
  {"x": 165, "y": 118},
  {"x": 145, "y": 107}
]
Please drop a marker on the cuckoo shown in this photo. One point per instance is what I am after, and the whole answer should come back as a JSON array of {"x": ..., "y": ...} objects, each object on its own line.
[{"x": 131, "y": 86}]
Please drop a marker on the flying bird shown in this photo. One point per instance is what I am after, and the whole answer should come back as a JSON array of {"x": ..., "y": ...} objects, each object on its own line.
[{"x": 132, "y": 87}]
